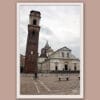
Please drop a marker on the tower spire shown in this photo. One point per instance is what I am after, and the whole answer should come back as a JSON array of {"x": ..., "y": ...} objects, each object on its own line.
[{"x": 47, "y": 44}]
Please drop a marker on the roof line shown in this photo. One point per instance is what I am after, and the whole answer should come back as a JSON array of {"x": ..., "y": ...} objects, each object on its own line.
[{"x": 60, "y": 49}]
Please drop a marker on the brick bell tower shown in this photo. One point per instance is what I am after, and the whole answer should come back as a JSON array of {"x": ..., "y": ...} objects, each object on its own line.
[{"x": 31, "y": 56}]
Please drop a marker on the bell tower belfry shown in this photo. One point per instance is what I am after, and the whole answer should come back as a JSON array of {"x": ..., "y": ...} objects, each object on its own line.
[{"x": 31, "y": 56}]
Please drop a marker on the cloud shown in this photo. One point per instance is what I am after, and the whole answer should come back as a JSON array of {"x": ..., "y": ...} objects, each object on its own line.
[
  {"x": 46, "y": 31},
  {"x": 60, "y": 25}
]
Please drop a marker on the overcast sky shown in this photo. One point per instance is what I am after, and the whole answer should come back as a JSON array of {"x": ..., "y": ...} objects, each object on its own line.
[{"x": 60, "y": 25}]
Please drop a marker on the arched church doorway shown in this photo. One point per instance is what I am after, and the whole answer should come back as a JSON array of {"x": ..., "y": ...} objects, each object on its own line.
[
  {"x": 75, "y": 68},
  {"x": 66, "y": 67},
  {"x": 56, "y": 68}
]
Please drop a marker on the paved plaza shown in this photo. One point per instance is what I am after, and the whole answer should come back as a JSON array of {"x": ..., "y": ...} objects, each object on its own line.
[{"x": 49, "y": 84}]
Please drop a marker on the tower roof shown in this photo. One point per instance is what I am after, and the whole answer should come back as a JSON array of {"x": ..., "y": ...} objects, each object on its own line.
[{"x": 33, "y": 11}]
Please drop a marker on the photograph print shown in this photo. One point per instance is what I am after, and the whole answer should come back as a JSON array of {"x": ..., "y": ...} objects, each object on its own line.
[{"x": 49, "y": 50}]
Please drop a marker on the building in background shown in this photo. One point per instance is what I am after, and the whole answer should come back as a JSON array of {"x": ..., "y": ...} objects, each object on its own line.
[{"x": 61, "y": 60}]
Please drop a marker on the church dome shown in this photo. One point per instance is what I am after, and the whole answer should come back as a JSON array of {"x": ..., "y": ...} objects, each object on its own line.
[{"x": 47, "y": 49}]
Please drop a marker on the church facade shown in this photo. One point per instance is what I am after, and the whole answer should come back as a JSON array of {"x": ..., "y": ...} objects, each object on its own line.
[{"x": 57, "y": 61}]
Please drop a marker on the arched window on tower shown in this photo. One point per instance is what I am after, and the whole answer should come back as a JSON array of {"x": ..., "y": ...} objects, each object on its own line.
[
  {"x": 33, "y": 33},
  {"x": 34, "y": 22}
]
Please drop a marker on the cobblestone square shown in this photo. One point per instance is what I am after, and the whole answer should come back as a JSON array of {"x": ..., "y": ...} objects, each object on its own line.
[{"x": 49, "y": 84}]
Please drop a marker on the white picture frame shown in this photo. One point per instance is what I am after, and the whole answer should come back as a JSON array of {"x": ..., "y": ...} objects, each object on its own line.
[{"x": 18, "y": 95}]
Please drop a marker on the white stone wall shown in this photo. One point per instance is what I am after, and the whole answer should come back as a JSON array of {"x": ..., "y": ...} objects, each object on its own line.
[
  {"x": 55, "y": 55},
  {"x": 49, "y": 53},
  {"x": 39, "y": 67},
  {"x": 45, "y": 66},
  {"x": 64, "y": 55},
  {"x": 41, "y": 59},
  {"x": 72, "y": 65},
  {"x": 58, "y": 60},
  {"x": 61, "y": 64},
  {"x": 54, "y": 63}
]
